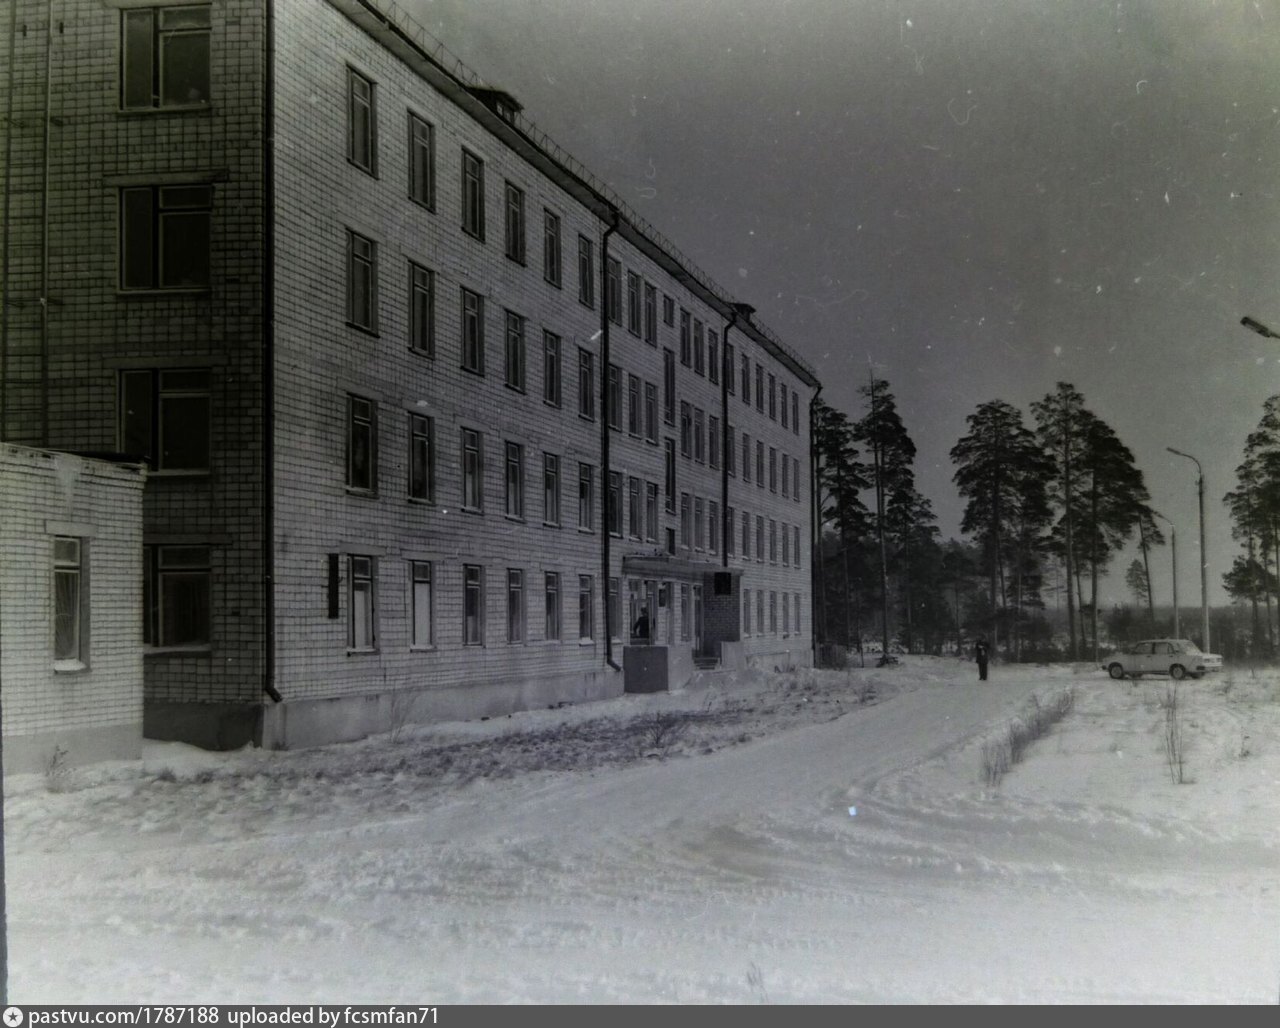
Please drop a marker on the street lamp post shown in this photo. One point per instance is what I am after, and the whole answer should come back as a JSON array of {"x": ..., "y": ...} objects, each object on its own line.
[
  {"x": 1173, "y": 544},
  {"x": 1204, "y": 556}
]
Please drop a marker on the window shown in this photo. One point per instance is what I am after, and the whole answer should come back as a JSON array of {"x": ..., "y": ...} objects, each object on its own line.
[
  {"x": 514, "y": 351},
  {"x": 669, "y": 386},
  {"x": 586, "y": 385},
  {"x": 699, "y": 507},
  {"x": 786, "y": 476},
  {"x": 773, "y": 612},
  {"x": 551, "y": 268},
  {"x": 515, "y": 480},
  {"x": 746, "y": 611},
  {"x": 586, "y": 497},
  {"x": 551, "y": 602},
  {"x": 686, "y": 613},
  {"x": 782, "y": 398},
  {"x": 362, "y": 444},
  {"x": 795, "y": 531},
  {"x": 472, "y": 195},
  {"x": 795, "y": 477},
  {"x": 760, "y": 611},
  {"x": 795, "y": 413},
  {"x": 686, "y": 338},
  {"x": 472, "y": 605},
  {"x": 786, "y": 614},
  {"x": 164, "y": 57},
  {"x": 759, "y": 464},
  {"x": 773, "y": 398},
  {"x": 795, "y": 607},
  {"x": 669, "y": 477},
  {"x": 422, "y": 458},
  {"x": 730, "y": 450},
  {"x": 613, "y": 610},
  {"x": 686, "y": 528},
  {"x": 362, "y": 122},
  {"x": 699, "y": 435},
  {"x": 728, "y": 368},
  {"x": 69, "y": 606},
  {"x": 668, "y": 311},
  {"x": 786, "y": 546},
  {"x": 651, "y": 314},
  {"x": 746, "y": 536},
  {"x": 613, "y": 398},
  {"x": 746, "y": 379},
  {"x": 760, "y": 388},
  {"x": 713, "y": 356},
  {"x": 773, "y": 541},
  {"x": 551, "y": 371},
  {"x": 515, "y": 605},
  {"x": 515, "y": 222},
  {"x": 686, "y": 428},
  {"x": 633, "y": 303},
  {"x": 472, "y": 470},
  {"x": 699, "y": 354},
  {"x": 586, "y": 272},
  {"x": 613, "y": 290},
  {"x": 176, "y": 595},
  {"x": 164, "y": 418},
  {"x": 729, "y": 527},
  {"x": 635, "y": 513},
  {"x": 651, "y": 511},
  {"x": 651, "y": 412},
  {"x": 550, "y": 489},
  {"x": 362, "y": 282},
  {"x": 422, "y": 303},
  {"x": 165, "y": 237},
  {"x": 472, "y": 331},
  {"x": 713, "y": 526},
  {"x": 760, "y": 537},
  {"x": 586, "y": 608},
  {"x": 614, "y": 503},
  {"x": 713, "y": 441},
  {"x": 633, "y": 405},
  {"x": 422, "y": 162},
  {"x": 773, "y": 469},
  {"x": 422, "y": 599},
  {"x": 746, "y": 458}
]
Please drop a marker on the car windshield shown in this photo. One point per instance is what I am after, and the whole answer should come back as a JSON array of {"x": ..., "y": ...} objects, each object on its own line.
[{"x": 1185, "y": 646}]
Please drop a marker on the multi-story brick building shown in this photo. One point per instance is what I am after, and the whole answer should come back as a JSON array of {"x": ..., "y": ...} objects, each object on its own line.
[{"x": 436, "y": 425}]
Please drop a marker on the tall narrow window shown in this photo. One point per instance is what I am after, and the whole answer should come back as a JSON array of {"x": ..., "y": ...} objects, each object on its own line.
[
  {"x": 552, "y": 374},
  {"x": 635, "y": 512},
  {"x": 773, "y": 469},
  {"x": 423, "y": 600},
  {"x": 686, "y": 428},
  {"x": 613, "y": 398},
  {"x": 515, "y": 234},
  {"x": 786, "y": 477},
  {"x": 362, "y": 282},
  {"x": 633, "y": 303},
  {"x": 746, "y": 536},
  {"x": 362, "y": 130},
  {"x": 713, "y": 356},
  {"x": 759, "y": 464},
  {"x": 651, "y": 412},
  {"x": 746, "y": 458},
  {"x": 651, "y": 314},
  {"x": 633, "y": 405},
  {"x": 586, "y": 608},
  {"x": 773, "y": 541},
  {"x": 760, "y": 388},
  {"x": 729, "y": 368},
  {"x": 782, "y": 403},
  {"x": 586, "y": 272},
  {"x": 472, "y": 470},
  {"x": 795, "y": 413},
  {"x": 668, "y": 310},
  {"x": 686, "y": 337},
  {"x": 713, "y": 526},
  {"x": 729, "y": 527},
  {"x": 165, "y": 57},
  {"x": 669, "y": 386},
  {"x": 795, "y": 477},
  {"x": 795, "y": 532},
  {"x": 699, "y": 435},
  {"x": 472, "y": 605},
  {"x": 515, "y": 605},
  {"x": 669, "y": 476},
  {"x": 686, "y": 613},
  {"x": 686, "y": 525},
  {"x": 472, "y": 331},
  {"x": 613, "y": 503},
  {"x": 651, "y": 511},
  {"x": 422, "y": 458},
  {"x": 760, "y": 537},
  {"x": 731, "y": 450},
  {"x": 165, "y": 418},
  {"x": 472, "y": 195},
  {"x": 586, "y": 384},
  {"x": 713, "y": 441},
  {"x": 746, "y": 379},
  {"x": 362, "y": 444},
  {"x": 551, "y": 602},
  {"x": 773, "y": 612},
  {"x": 515, "y": 480},
  {"x": 786, "y": 614},
  {"x": 422, "y": 305},
  {"x": 613, "y": 290},
  {"x": 515, "y": 351},
  {"x": 699, "y": 351},
  {"x": 165, "y": 237},
  {"x": 551, "y": 265},
  {"x": 746, "y": 611},
  {"x": 176, "y": 595},
  {"x": 786, "y": 545},
  {"x": 699, "y": 507},
  {"x": 773, "y": 398},
  {"x": 361, "y": 624},
  {"x": 422, "y": 162},
  {"x": 613, "y": 610},
  {"x": 68, "y": 603},
  {"x": 550, "y": 489},
  {"x": 586, "y": 498}
]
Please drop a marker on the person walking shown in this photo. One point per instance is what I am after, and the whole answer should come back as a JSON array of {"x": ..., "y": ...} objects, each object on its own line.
[{"x": 981, "y": 654}]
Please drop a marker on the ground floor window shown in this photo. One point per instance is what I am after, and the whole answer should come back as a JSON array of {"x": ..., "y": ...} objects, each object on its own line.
[
  {"x": 586, "y": 608},
  {"x": 423, "y": 603},
  {"x": 686, "y": 613},
  {"x": 68, "y": 601},
  {"x": 552, "y": 593},
  {"x": 176, "y": 596},
  {"x": 472, "y": 605},
  {"x": 361, "y": 631},
  {"x": 515, "y": 605}
]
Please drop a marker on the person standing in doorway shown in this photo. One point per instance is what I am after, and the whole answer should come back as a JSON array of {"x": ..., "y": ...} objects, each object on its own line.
[{"x": 981, "y": 654}]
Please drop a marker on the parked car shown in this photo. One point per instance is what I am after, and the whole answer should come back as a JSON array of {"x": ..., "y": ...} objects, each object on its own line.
[{"x": 1177, "y": 658}]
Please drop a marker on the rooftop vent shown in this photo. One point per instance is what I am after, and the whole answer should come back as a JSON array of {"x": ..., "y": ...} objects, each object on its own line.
[{"x": 502, "y": 103}]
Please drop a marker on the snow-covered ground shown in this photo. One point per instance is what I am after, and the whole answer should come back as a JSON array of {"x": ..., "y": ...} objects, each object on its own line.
[{"x": 805, "y": 837}]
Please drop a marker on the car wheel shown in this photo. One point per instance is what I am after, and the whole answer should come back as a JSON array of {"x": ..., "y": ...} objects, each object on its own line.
[
  {"x": 1177, "y": 671},
  {"x": 1116, "y": 671}
]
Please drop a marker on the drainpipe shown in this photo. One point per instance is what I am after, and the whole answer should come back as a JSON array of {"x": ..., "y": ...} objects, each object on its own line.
[
  {"x": 604, "y": 436},
  {"x": 44, "y": 232},
  {"x": 268, "y": 358},
  {"x": 815, "y": 529},
  {"x": 744, "y": 311},
  {"x": 4, "y": 234}
]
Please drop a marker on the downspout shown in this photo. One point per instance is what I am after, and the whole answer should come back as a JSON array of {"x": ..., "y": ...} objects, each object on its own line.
[
  {"x": 815, "y": 529},
  {"x": 268, "y": 357},
  {"x": 604, "y": 437},
  {"x": 726, "y": 526},
  {"x": 4, "y": 234},
  {"x": 44, "y": 233}
]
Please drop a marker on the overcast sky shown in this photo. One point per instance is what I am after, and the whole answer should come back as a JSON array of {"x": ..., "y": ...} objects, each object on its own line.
[{"x": 980, "y": 197}]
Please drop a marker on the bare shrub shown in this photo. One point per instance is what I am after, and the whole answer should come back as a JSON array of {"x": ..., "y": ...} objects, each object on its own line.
[
  {"x": 755, "y": 981},
  {"x": 999, "y": 755},
  {"x": 1174, "y": 750},
  {"x": 59, "y": 776},
  {"x": 662, "y": 730}
]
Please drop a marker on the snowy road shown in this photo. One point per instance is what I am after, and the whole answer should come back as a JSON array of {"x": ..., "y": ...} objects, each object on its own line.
[{"x": 737, "y": 876}]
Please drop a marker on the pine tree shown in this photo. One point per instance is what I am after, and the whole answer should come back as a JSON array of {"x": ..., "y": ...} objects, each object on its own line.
[{"x": 840, "y": 479}]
